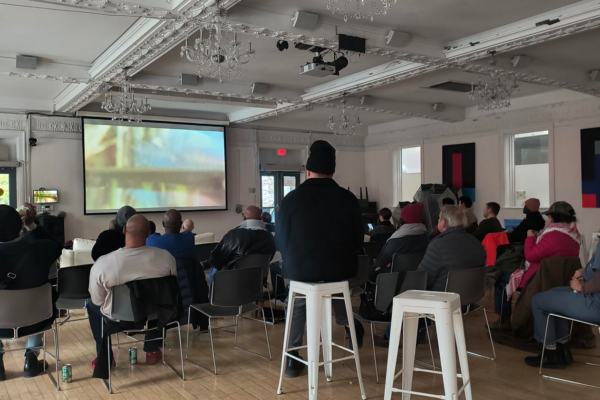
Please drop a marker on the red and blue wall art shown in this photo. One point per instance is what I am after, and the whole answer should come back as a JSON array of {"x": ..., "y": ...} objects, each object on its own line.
[
  {"x": 458, "y": 168},
  {"x": 590, "y": 168}
]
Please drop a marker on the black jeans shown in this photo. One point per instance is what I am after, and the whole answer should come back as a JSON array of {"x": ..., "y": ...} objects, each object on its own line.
[{"x": 95, "y": 317}]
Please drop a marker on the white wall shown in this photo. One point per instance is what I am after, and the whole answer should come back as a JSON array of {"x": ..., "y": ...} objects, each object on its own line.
[
  {"x": 534, "y": 180},
  {"x": 565, "y": 120}
]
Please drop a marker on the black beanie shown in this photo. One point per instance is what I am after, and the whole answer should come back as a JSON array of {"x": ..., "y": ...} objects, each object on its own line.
[
  {"x": 10, "y": 224},
  {"x": 322, "y": 158}
]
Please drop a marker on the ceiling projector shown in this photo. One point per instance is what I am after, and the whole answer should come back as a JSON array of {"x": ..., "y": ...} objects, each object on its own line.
[{"x": 320, "y": 68}]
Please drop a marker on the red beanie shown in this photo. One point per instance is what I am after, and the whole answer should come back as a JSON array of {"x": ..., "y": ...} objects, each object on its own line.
[{"x": 413, "y": 213}]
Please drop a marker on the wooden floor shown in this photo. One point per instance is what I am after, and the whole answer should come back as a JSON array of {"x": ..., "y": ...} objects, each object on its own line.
[{"x": 243, "y": 376}]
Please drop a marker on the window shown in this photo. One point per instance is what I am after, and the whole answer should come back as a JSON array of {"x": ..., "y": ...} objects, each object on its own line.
[
  {"x": 410, "y": 175},
  {"x": 8, "y": 186},
  {"x": 529, "y": 174}
]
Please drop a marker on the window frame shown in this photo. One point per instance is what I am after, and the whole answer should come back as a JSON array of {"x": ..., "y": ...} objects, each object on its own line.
[
  {"x": 507, "y": 157},
  {"x": 397, "y": 167}
]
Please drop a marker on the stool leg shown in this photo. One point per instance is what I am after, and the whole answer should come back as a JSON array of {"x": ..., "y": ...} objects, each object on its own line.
[
  {"x": 409, "y": 349},
  {"x": 313, "y": 339},
  {"x": 461, "y": 346},
  {"x": 286, "y": 337},
  {"x": 393, "y": 351},
  {"x": 348, "y": 302},
  {"x": 445, "y": 335},
  {"x": 326, "y": 333}
]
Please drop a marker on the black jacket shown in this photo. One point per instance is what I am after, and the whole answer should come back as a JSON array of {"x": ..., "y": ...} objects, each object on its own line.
[
  {"x": 107, "y": 242},
  {"x": 319, "y": 232},
  {"x": 239, "y": 242},
  {"x": 193, "y": 289},
  {"x": 488, "y": 225},
  {"x": 37, "y": 250},
  {"x": 533, "y": 221},
  {"x": 406, "y": 244},
  {"x": 450, "y": 250}
]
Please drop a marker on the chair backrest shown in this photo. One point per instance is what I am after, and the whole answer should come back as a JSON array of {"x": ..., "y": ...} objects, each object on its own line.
[
  {"x": 255, "y": 260},
  {"x": 469, "y": 284},
  {"x": 237, "y": 287},
  {"x": 121, "y": 307},
  {"x": 19, "y": 308},
  {"x": 362, "y": 273},
  {"x": 387, "y": 283},
  {"x": 372, "y": 249},
  {"x": 404, "y": 262},
  {"x": 202, "y": 251},
  {"x": 414, "y": 280},
  {"x": 381, "y": 237},
  {"x": 73, "y": 282}
]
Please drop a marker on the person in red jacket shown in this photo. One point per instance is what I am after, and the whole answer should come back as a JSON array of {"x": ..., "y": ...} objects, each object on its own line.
[{"x": 560, "y": 238}]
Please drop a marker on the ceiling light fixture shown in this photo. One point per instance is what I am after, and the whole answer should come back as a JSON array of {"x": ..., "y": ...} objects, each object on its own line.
[
  {"x": 344, "y": 125},
  {"x": 494, "y": 94},
  {"x": 377, "y": 7},
  {"x": 125, "y": 106},
  {"x": 217, "y": 53}
]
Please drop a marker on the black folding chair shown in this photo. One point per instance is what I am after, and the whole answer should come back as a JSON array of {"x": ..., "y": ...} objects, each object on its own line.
[
  {"x": 202, "y": 251},
  {"x": 233, "y": 294},
  {"x": 403, "y": 262},
  {"x": 470, "y": 285},
  {"x": 372, "y": 249},
  {"x": 72, "y": 286},
  {"x": 262, "y": 261}
]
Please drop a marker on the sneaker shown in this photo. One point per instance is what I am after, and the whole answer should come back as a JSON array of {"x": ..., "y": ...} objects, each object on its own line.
[
  {"x": 153, "y": 357},
  {"x": 2, "y": 370},
  {"x": 552, "y": 360},
  {"x": 565, "y": 352},
  {"x": 294, "y": 367},
  {"x": 360, "y": 334},
  {"x": 33, "y": 367}
]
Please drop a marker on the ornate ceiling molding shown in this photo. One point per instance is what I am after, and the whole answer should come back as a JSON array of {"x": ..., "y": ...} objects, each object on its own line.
[
  {"x": 386, "y": 111},
  {"x": 494, "y": 122},
  {"x": 117, "y": 8},
  {"x": 55, "y": 124},
  {"x": 12, "y": 122},
  {"x": 283, "y": 137},
  {"x": 64, "y": 79}
]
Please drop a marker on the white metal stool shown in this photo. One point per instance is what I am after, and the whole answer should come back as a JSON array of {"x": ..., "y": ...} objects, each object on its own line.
[
  {"x": 444, "y": 308},
  {"x": 318, "y": 309}
]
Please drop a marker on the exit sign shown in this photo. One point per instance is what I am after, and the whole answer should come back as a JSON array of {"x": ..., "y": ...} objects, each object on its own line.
[{"x": 281, "y": 152}]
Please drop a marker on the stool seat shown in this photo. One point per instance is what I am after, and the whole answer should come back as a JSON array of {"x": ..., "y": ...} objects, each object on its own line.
[
  {"x": 319, "y": 296},
  {"x": 445, "y": 308}
]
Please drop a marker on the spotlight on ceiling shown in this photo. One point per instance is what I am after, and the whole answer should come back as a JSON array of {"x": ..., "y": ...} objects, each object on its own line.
[
  {"x": 282, "y": 45},
  {"x": 340, "y": 63}
]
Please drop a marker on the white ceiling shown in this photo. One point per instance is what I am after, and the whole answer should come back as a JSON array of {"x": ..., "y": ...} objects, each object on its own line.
[{"x": 69, "y": 42}]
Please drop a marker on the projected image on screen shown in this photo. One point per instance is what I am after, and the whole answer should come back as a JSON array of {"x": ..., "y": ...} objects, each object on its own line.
[{"x": 153, "y": 166}]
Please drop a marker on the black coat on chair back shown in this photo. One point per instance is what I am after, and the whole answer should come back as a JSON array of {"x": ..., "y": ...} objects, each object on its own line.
[
  {"x": 193, "y": 289},
  {"x": 319, "y": 232}
]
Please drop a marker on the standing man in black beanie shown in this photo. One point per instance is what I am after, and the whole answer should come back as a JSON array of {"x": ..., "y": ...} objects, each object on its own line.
[
  {"x": 319, "y": 234},
  {"x": 29, "y": 256},
  {"x": 113, "y": 239}
]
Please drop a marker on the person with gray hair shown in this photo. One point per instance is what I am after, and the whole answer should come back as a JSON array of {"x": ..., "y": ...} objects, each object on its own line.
[{"x": 452, "y": 249}]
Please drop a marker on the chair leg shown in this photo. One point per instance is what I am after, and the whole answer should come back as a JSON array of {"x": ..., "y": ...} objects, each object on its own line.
[
  {"x": 491, "y": 341},
  {"x": 348, "y": 302},
  {"x": 182, "y": 375},
  {"x": 271, "y": 307},
  {"x": 286, "y": 338},
  {"x": 326, "y": 339},
  {"x": 57, "y": 356},
  {"x": 187, "y": 345},
  {"x": 211, "y": 346},
  {"x": 267, "y": 334},
  {"x": 109, "y": 387},
  {"x": 429, "y": 341},
  {"x": 374, "y": 352}
]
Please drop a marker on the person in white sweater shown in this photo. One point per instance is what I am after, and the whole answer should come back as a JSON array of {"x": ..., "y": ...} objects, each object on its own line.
[{"x": 135, "y": 261}]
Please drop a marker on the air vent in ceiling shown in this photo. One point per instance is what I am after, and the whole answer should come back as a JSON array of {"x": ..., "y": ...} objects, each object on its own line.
[{"x": 452, "y": 86}]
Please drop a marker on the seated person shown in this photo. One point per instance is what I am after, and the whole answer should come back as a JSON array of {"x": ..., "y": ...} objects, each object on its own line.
[
  {"x": 266, "y": 218},
  {"x": 411, "y": 237},
  {"x": 153, "y": 228},
  {"x": 581, "y": 301},
  {"x": 465, "y": 203},
  {"x": 30, "y": 257},
  {"x": 187, "y": 226},
  {"x": 453, "y": 249},
  {"x": 249, "y": 237},
  {"x": 179, "y": 244},
  {"x": 113, "y": 239},
  {"x": 135, "y": 261},
  {"x": 384, "y": 227},
  {"x": 490, "y": 224},
  {"x": 533, "y": 221},
  {"x": 446, "y": 201}
]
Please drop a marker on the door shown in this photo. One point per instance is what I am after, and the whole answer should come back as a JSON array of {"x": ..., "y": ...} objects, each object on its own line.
[
  {"x": 8, "y": 186},
  {"x": 274, "y": 186}
]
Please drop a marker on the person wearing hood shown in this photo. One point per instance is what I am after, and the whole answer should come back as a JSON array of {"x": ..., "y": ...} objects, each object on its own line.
[
  {"x": 533, "y": 221},
  {"x": 113, "y": 239},
  {"x": 411, "y": 237}
]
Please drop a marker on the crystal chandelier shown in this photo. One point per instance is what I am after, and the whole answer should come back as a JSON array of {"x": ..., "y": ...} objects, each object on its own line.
[
  {"x": 217, "y": 53},
  {"x": 494, "y": 94},
  {"x": 377, "y": 7},
  {"x": 125, "y": 106},
  {"x": 344, "y": 125}
]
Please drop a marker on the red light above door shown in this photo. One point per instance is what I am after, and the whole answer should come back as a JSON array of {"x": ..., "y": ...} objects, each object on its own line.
[{"x": 281, "y": 152}]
